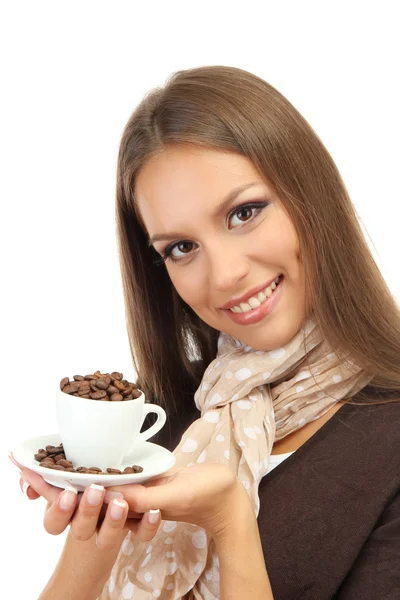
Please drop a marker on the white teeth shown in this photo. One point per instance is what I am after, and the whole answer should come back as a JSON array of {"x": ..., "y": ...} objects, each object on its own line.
[
  {"x": 255, "y": 301},
  {"x": 245, "y": 307}
]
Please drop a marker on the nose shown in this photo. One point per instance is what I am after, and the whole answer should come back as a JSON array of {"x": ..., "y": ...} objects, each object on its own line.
[{"x": 227, "y": 267}]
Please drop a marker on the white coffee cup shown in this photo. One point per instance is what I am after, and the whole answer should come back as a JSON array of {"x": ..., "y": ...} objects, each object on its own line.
[{"x": 95, "y": 433}]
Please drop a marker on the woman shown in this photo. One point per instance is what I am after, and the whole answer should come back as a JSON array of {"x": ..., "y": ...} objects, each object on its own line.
[{"x": 248, "y": 282}]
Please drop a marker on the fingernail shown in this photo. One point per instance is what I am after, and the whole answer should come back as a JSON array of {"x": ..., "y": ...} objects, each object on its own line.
[
  {"x": 111, "y": 495},
  {"x": 67, "y": 499},
  {"x": 117, "y": 509},
  {"x": 25, "y": 477},
  {"x": 10, "y": 456},
  {"x": 25, "y": 489},
  {"x": 94, "y": 494},
  {"x": 154, "y": 515}
]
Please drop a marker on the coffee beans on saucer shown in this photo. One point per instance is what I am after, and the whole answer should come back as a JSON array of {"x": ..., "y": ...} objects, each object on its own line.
[
  {"x": 110, "y": 387},
  {"x": 53, "y": 457}
]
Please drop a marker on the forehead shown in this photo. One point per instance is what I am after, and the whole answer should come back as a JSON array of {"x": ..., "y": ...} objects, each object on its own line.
[{"x": 188, "y": 179}]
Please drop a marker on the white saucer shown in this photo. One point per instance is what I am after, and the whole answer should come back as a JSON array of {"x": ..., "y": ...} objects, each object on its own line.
[{"x": 154, "y": 459}]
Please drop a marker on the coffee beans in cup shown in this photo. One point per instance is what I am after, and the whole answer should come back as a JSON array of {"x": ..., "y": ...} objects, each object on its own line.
[
  {"x": 53, "y": 457},
  {"x": 108, "y": 387}
]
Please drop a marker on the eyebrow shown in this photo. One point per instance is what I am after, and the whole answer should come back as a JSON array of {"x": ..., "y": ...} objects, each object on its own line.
[{"x": 217, "y": 212}]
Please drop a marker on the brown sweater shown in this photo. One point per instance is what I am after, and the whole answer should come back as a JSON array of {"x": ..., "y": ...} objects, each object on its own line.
[{"x": 329, "y": 515}]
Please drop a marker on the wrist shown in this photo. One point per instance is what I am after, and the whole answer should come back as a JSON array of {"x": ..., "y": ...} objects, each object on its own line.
[{"x": 239, "y": 516}]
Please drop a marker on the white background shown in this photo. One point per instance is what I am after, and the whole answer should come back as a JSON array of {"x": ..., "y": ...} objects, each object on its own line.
[{"x": 71, "y": 74}]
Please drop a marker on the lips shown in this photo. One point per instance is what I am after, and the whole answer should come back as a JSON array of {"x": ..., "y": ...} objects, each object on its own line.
[
  {"x": 256, "y": 315},
  {"x": 236, "y": 301}
]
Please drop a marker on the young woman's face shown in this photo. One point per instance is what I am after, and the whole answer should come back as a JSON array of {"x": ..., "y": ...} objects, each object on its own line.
[{"x": 216, "y": 254}]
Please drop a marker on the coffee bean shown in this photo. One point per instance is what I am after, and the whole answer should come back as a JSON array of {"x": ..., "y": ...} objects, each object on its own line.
[
  {"x": 137, "y": 468},
  {"x": 101, "y": 384},
  {"x": 64, "y": 382},
  {"x": 119, "y": 385},
  {"x": 88, "y": 385},
  {"x": 55, "y": 450},
  {"x": 40, "y": 456},
  {"x": 98, "y": 395},
  {"x": 84, "y": 392},
  {"x": 71, "y": 388},
  {"x": 112, "y": 390},
  {"x": 128, "y": 470},
  {"x": 127, "y": 391},
  {"x": 116, "y": 375},
  {"x": 65, "y": 463},
  {"x": 62, "y": 464}
]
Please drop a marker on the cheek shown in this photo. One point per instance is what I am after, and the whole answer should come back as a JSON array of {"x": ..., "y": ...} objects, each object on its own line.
[{"x": 188, "y": 288}]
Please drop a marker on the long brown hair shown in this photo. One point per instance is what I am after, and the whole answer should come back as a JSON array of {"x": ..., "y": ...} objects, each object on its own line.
[{"x": 229, "y": 109}]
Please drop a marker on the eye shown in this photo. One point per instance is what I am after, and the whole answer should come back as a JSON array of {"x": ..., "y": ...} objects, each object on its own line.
[
  {"x": 244, "y": 212},
  {"x": 183, "y": 246}
]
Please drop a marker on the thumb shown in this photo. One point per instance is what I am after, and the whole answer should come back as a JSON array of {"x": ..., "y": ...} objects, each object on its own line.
[{"x": 142, "y": 499}]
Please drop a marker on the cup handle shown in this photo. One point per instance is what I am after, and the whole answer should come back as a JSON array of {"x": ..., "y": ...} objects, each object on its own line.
[{"x": 161, "y": 419}]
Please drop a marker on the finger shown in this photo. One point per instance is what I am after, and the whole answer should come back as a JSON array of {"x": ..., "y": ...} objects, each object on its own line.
[
  {"x": 142, "y": 499},
  {"x": 27, "y": 490},
  {"x": 59, "y": 512},
  {"x": 39, "y": 485},
  {"x": 23, "y": 484},
  {"x": 84, "y": 521},
  {"x": 112, "y": 531},
  {"x": 148, "y": 526},
  {"x": 14, "y": 460},
  {"x": 110, "y": 495}
]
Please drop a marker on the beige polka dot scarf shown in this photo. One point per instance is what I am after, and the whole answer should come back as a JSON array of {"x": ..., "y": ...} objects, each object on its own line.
[{"x": 248, "y": 399}]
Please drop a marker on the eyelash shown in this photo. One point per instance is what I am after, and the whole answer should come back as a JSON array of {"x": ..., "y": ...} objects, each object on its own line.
[{"x": 166, "y": 255}]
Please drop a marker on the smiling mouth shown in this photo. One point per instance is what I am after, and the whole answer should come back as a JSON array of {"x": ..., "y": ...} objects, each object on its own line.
[{"x": 256, "y": 300}]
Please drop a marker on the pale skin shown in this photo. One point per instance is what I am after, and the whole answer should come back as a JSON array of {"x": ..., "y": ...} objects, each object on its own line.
[{"x": 218, "y": 257}]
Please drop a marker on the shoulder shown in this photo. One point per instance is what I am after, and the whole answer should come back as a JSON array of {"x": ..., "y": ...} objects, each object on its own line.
[
  {"x": 383, "y": 419},
  {"x": 372, "y": 432}
]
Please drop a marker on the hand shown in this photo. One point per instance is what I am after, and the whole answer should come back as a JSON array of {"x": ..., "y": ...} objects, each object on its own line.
[
  {"x": 208, "y": 495},
  {"x": 85, "y": 519}
]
